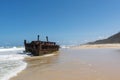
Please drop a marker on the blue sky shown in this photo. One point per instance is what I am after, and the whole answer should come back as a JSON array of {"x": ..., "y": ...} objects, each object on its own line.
[{"x": 66, "y": 21}]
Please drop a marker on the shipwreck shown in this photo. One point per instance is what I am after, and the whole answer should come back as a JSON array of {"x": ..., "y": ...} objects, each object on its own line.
[{"x": 38, "y": 47}]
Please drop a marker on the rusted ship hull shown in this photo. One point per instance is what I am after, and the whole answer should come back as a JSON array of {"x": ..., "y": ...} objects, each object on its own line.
[{"x": 41, "y": 47}]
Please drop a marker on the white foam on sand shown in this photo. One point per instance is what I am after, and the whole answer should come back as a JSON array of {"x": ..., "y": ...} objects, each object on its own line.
[
  {"x": 13, "y": 72},
  {"x": 10, "y": 49},
  {"x": 11, "y": 62},
  {"x": 64, "y": 46}
]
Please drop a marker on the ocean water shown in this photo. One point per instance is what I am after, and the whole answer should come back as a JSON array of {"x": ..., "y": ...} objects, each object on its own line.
[{"x": 11, "y": 62}]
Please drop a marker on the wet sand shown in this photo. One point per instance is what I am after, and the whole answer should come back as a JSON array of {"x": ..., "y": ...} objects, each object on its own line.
[{"x": 74, "y": 64}]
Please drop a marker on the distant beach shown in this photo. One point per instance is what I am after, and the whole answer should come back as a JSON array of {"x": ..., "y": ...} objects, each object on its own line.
[
  {"x": 86, "y": 62},
  {"x": 97, "y": 46}
]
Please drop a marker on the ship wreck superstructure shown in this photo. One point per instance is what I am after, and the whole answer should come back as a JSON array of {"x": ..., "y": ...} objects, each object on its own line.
[{"x": 38, "y": 47}]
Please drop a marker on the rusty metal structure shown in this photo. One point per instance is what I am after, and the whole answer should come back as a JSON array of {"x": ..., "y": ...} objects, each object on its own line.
[{"x": 40, "y": 47}]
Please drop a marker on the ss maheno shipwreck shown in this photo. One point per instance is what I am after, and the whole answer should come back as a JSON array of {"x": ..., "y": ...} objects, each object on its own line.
[{"x": 39, "y": 47}]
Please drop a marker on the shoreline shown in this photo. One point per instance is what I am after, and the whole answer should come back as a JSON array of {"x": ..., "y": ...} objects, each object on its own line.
[
  {"x": 29, "y": 60},
  {"x": 32, "y": 71},
  {"x": 94, "y": 46}
]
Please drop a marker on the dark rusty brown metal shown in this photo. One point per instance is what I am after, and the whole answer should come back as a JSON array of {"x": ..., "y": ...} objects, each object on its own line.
[{"x": 41, "y": 47}]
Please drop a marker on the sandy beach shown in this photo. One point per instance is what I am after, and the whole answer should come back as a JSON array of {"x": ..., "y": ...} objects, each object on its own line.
[
  {"x": 84, "y": 34},
  {"x": 91, "y": 62},
  {"x": 86, "y": 46}
]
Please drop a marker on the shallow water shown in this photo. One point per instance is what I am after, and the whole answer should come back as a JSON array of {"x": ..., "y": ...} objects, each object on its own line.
[
  {"x": 74, "y": 64},
  {"x": 11, "y": 62}
]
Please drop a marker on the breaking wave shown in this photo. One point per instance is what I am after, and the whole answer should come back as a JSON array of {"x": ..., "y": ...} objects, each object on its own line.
[{"x": 11, "y": 62}]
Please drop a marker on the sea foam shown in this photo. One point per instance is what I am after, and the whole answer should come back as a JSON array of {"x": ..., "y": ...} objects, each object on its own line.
[{"x": 11, "y": 62}]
